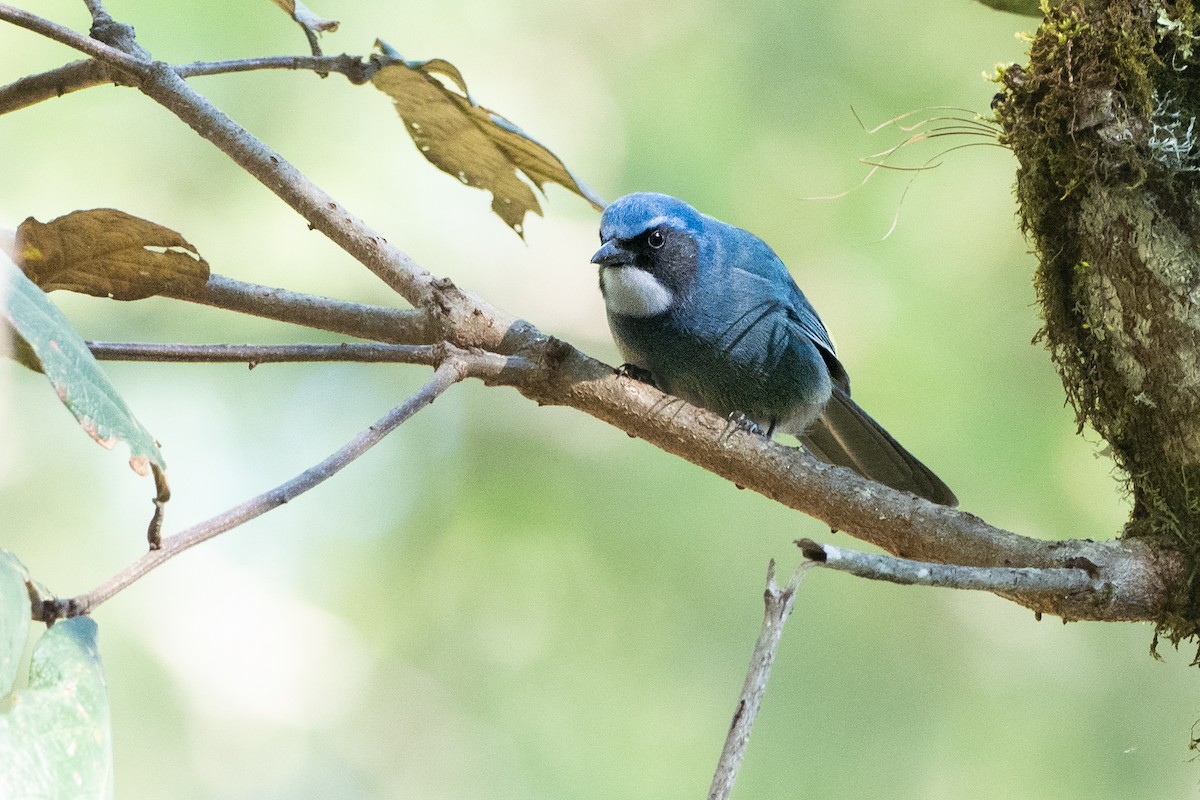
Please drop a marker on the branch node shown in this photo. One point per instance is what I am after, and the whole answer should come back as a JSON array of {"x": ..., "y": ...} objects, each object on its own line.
[
  {"x": 813, "y": 551},
  {"x": 112, "y": 33}
]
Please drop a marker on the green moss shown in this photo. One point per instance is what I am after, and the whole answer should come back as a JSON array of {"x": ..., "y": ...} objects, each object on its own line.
[{"x": 1103, "y": 123}]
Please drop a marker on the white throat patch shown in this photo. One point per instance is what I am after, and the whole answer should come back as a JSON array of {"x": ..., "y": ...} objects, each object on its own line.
[{"x": 633, "y": 292}]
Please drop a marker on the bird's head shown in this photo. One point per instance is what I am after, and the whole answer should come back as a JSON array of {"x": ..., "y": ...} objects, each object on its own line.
[{"x": 649, "y": 253}]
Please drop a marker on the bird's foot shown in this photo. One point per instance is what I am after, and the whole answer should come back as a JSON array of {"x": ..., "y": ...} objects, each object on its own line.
[
  {"x": 637, "y": 373},
  {"x": 740, "y": 422}
]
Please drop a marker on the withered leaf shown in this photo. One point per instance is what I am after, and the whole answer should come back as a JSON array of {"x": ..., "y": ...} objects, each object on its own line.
[
  {"x": 310, "y": 22},
  {"x": 107, "y": 253},
  {"x": 478, "y": 146}
]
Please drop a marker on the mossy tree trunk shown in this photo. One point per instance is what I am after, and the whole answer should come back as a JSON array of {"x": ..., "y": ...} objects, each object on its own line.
[{"x": 1103, "y": 123}]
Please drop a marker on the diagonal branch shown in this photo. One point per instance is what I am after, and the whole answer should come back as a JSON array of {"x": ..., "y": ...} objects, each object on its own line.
[
  {"x": 779, "y": 604},
  {"x": 64, "y": 35},
  {"x": 450, "y": 372}
]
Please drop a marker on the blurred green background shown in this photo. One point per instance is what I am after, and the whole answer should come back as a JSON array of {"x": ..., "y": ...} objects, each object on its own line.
[{"x": 505, "y": 601}]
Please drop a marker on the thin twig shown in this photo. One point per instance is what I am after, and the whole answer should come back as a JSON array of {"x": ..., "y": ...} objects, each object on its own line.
[
  {"x": 254, "y": 354},
  {"x": 64, "y": 35},
  {"x": 1078, "y": 576},
  {"x": 779, "y": 603},
  {"x": 395, "y": 267},
  {"x": 78, "y": 75},
  {"x": 356, "y": 69},
  {"x": 489, "y": 367},
  {"x": 450, "y": 372},
  {"x": 376, "y": 323}
]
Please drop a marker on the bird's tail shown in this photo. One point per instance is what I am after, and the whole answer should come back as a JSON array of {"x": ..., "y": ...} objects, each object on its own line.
[{"x": 846, "y": 435}]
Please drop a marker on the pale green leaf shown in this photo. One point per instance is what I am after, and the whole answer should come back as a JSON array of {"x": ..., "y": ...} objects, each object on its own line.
[
  {"x": 56, "y": 734},
  {"x": 72, "y": 370},
  {"x": 14, "y": 617}
]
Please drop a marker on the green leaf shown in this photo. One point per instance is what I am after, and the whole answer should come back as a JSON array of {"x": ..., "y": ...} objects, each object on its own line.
[
  {"x": 56, "y": 736},
  {"x": 14, "y": 618},
  {"x": 72, "y": 370},
  {"x": 466, "y": 140},
  {"x": 107, "y": 253}
]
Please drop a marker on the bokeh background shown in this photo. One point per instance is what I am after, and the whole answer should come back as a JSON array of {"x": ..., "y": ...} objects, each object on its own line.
[{"x": 505, "y": 601}]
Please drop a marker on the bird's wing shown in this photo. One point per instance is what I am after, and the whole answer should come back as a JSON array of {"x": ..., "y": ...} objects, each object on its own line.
[
  {"x": 760, "y": 273},
  {"x": 757, "y": 263}
]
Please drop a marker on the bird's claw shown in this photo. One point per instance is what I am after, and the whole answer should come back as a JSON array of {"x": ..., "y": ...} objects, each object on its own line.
[
  {"x": 636, "y": 373},
  {"x": 740, "y": 422}
]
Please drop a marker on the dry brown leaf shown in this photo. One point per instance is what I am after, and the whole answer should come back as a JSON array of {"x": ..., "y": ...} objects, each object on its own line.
[
  {"x": 107, "y": 253},
  {"x": 476, "y": 145}
]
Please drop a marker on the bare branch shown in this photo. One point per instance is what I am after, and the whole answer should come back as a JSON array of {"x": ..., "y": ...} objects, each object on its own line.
[
  {"x": 1013, "y": 581},
  {"x": 377, "y": 323},
  {"x": 255, "y": 354},
  {"x": 450, "y": 372},
  {"x": 895, "y": 521},
  {"x": 84, "y": 74},
  {"x": 357, "y": 70},
  {"x": 68, "y": 78},
  {"x": 779, "y": 603},
  {"x": 64, "y": 35},
  {"x": 323, "y": 212},
  {"x": 480, "y": 364},
  {"x": 159, "y": 82}
]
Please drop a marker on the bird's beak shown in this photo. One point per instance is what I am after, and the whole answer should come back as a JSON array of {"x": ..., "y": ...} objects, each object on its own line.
[{"x": 612, "y": 254}]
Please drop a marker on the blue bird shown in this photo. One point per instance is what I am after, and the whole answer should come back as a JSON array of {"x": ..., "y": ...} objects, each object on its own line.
[{"x": 714, "y": 317}]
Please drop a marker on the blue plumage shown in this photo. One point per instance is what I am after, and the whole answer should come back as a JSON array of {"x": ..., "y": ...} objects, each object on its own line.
[{"x": 711, "y": 312}]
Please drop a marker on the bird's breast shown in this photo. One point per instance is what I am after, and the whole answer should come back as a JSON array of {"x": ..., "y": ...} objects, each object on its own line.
[
  {"x": 633, "y": 292},
  {"x": 762, "y": 370}
]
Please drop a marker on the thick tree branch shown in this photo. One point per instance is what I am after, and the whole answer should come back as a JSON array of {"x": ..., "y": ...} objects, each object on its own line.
[
  {"x": 899, "y": 522},
  {"x": 450, "y": 372}
]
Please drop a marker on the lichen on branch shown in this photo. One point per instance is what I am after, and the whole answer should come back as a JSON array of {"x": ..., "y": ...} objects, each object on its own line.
[{"x": 1103, "y": 123}]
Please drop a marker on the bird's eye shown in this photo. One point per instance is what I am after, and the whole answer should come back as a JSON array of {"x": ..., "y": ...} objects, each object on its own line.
[{"x": 656, "y": 239}]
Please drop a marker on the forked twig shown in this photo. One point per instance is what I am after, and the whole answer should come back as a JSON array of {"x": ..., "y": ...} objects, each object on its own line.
[{"x": 779, "y": 603}]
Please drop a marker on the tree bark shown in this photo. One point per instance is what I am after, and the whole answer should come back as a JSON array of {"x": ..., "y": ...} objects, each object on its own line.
[{"x": 1103, "y": 123}]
